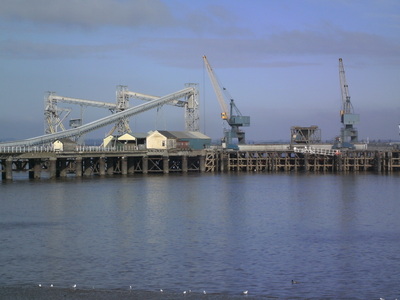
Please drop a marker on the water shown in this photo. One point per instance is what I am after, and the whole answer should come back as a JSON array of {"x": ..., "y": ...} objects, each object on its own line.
[{"x": 338, "y": 235}]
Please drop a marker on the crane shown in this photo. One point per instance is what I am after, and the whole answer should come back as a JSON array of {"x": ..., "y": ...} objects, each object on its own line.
[
  {"x": 348, "y": 133},
  {"x": 232, "y": 116}
]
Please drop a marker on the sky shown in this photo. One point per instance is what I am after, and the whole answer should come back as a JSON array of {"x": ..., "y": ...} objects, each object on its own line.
[{"x": 277, "y": 58}]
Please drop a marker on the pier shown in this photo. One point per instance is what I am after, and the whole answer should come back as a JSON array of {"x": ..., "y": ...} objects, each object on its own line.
[{"x": 41, "y": 162}]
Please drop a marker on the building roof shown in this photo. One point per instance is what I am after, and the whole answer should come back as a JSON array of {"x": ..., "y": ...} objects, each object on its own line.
[
  {"x": 126, "y": 137},
  {"x": 167, "y": 134},
  {"x": 184, "y": 134}
]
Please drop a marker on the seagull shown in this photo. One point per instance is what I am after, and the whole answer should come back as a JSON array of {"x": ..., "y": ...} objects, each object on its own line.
[
  {"x": 74, "y": 286},
  {"x": 245, "y": 292},
  {"x": 51, "y": 285},
  {"x": 204, "y": 292},
  {"x": 184, "y": 292},
  {"x": 40, "y": 285},
  {"x": 130, "y": 287},
  {"x": 295, "y": 282},
  {"x": 161, "y": 290}
]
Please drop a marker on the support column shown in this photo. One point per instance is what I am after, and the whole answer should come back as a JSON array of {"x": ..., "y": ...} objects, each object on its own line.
[
  {"x": 131, "y": 165},
  {"x": 378, "y": 162},
  {"x": 145, "y": 164},
  {"x": 184, "y": 164},
  {"x": 202, "y": 161},
  {"x": 87, "y": 165},
  {"x": 165, "y": 164},
  {"x": 37, "y": 169},
  {"x": 224, "y": 162},
  {"x": 31, "y": 166},
  {"x": 102, "y": 166},
  {"x": 78, "y": 166},
  {"x": 124, "y": 165},
  {"x": 337, "y": 163},
  {"x": 306, "y": 162},
  {"x": 8, "y": 174},
  {"x": 53, "y": 167},
  {"x": 63, "y": 167},
  {"x": 110, "y": 165}
]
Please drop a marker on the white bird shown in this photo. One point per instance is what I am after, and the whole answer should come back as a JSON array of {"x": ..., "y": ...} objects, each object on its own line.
[
  {"x": 204, "y": 292},
  {"x": 40, "y": 285},
  {"x": 130, "y": 287},
  {"x": 51, "y": 285},
  {"x": 74, "y": 286},
  {"x": 245, "y": 292},
  {"x": 161, "y": 290}
]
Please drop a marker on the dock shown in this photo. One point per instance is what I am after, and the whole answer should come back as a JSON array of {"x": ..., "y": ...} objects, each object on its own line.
[{"x": 41, "y": 162}]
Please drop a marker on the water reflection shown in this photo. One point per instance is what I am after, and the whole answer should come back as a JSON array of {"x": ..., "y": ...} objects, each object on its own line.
[{"x": 221, "y": 232}]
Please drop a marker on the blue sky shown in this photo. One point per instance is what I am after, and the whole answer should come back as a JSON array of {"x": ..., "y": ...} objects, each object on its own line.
[{"x": 277, "y": 58}]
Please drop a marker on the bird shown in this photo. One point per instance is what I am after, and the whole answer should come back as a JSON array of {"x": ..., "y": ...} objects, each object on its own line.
[
  {"x": 39, "y": 285},
  {"x": 184, "y": 292},
  {"x": 204, "y": 292},
  {"x": 295, "y": 282},
  {"x": 51, "y": 285},
  {"x": 161, "y": 290},
  {"x": 130, "y": 287},
  {"x": 74, "y": 286},
  {"x": 245, "y": 292}
]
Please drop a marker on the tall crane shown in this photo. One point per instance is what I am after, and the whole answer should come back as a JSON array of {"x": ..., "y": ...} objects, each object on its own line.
[
  {"x": 233, "y": 116},
  {"x": 348, "y": 133}
]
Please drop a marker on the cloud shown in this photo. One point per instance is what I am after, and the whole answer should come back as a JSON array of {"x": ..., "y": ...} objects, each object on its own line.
[
  {"x": 278, "y": 50},
  {"x": 88, "y": 13},
  {"x": 239, "y": 52},
  {"x": 14, "y": 49}
]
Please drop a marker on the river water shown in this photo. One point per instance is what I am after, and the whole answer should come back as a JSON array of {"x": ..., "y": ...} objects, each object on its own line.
[{"x": 338, "y": 236}]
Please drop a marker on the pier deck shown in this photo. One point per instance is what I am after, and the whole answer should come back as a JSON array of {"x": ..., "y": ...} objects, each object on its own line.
[{"x": 94, "y": 162}]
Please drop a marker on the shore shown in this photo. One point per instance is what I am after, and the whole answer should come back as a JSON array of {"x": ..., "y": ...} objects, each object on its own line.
[{"x": 48, "y": 293}]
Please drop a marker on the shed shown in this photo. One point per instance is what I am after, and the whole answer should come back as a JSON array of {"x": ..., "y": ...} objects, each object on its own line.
[
  {"x": 194, "y": 140},
  {"x": 64, "y": 144},
  {"x": 161, "y": 139},
  {"x": 177, "y": 139}
]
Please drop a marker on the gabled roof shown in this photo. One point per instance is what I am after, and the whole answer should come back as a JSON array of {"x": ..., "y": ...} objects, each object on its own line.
[
  {"x": 126, "y": 137},
  {"x": 66, "y": 141},
  {"x": 181, "y": 134},
  {"x": 167, "y": 134}
]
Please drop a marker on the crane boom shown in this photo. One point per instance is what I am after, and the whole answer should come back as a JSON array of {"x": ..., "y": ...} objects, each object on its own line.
[
  {"x": 347, "y": 107},
  {"x": 217, "y": 90}
]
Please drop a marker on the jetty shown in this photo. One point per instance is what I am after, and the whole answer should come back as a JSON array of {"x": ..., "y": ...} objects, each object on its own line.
[{"x": 44, "y": 162}]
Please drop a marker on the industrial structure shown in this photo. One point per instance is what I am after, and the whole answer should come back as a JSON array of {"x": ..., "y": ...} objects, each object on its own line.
[
  {"x": 57, "y": 154},
  {"x": 187, "y": 93},
  {"x": 305, "y": 135},
  {"x": 55, "y": 115},
  {"x": 233, "y": 116},
  {"x": 348, "y": 133}
]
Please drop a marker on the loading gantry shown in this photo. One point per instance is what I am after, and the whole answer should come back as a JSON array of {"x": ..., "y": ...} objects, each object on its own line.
[
  {"x": 55, "y": 115},
  {"x": 233, "y": 116},
  {"x": 348, "y": 133}
]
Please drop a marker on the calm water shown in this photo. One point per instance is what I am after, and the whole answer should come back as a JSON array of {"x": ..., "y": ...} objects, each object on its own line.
[{"x": 338, "y": 235}]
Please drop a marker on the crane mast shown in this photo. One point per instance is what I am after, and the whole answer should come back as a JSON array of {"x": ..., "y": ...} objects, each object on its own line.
[
  {"x": 217, "y": 90},
  {"x": 233, "y": 116},
  {"x": 348, "y": 133},
  {"x": 347, "y": 108}
]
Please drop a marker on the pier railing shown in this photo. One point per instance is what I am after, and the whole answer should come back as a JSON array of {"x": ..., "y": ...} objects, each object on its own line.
[
  {"x": 319, "y": 151},
  {"x": 35, "y": 149}
]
